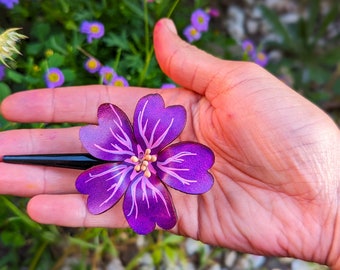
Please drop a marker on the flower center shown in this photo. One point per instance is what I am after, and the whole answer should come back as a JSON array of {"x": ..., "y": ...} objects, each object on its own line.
[
  {"x": 92, "y": 64},
  {"x": 53, "y": 77},
  {"x": 118, "y": 83},
  {"x": 193, "y": 32},
  {"x": 94, "y": 29},
  {"x": 143, "y": 162}
]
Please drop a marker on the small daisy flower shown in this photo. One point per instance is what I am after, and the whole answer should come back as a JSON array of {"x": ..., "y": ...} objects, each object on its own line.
[
  {"x": 92, "y": 30},
  {"x": 119, "y": 81},
  {"x": 260, "y": 58},
  {"x": 9, "y": 3},
  {"x": 248, "y": 47},
  {"x": 54, "y": 78},
  {"x": 191, "y": 33},
  {"x": 8, "y": 40},
  {"x": 2, "y": 72},
  {"x": 107, "y": 73},
  {"x": 200, "y": 20},
  {"x": 92, "y": 65}
]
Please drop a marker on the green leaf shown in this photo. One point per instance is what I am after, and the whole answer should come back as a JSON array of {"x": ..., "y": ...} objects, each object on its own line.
[
  {"x": 56, "y": 60},
  {"x": 41, "y": 31},
  {"x": 278, "y": 27},
  {"x": 15, "y": 76},
  {"x": 4, "y": 91},
  {"x": 34, "y": 48},
  {"x": 117, "y": 40},
  {"x": 12, "y": 239},
  {"x": 157, "y": 255}
]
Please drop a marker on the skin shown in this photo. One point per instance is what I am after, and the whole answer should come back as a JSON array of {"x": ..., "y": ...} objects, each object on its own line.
[{"x": 276, "y": 189}]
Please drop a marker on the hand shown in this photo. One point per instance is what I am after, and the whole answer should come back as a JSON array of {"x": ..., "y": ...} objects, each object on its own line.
[{"x": 277, "y": 155}]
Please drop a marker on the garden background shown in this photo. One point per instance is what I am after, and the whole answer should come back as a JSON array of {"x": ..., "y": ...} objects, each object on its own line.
[{"x": 299, "y": 40}]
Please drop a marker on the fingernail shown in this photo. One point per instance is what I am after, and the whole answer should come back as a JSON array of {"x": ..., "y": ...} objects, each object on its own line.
[{"x": 171, "y": 26}]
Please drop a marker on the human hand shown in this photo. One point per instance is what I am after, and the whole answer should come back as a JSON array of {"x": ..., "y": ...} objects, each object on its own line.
[{"x": 277, "y": 156}]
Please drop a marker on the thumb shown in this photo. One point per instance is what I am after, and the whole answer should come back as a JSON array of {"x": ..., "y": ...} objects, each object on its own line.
[{"x": 191, "y": 67}]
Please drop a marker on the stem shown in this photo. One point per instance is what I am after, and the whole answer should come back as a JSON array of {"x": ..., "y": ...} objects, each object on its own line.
[{"x": 150, "y": 51}]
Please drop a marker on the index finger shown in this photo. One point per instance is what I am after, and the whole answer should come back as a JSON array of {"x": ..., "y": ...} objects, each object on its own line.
[{"x": 68, "y": 104}]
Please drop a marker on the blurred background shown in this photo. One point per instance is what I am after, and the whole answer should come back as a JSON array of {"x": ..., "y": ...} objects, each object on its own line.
[{"x": 297, "y": 41}]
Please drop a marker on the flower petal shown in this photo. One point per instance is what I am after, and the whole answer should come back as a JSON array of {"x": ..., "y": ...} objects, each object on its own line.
[
  {"x": 184, "y": 166},
  {"x": 105, "y": 184},
  {"x": 147, "y": 202},
  {"x": 112, "y": 139},
  {"x": 156, "y": 126}
]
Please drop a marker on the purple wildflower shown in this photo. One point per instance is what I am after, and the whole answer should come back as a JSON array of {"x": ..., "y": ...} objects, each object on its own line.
[
  {"x": 107, "y": 73},
  {"x": 200, "y": 20},
  {"x": 140, "y": 162},
  {"x": 54, "y": 78},
  {"x": 2, "y": 72},
  {"x": 191, "y": 33},
  {"x": 260, "y": 58},
  {"x": 119, "y": 81},
  {"x": 168, "y": 86},
  {"x": 92, "y": 30},
  {"x": 248, "y": 47},
  {"x": 9, "y": 3},
  {"x": 213, "y": 12},
  {"x": 92, "y": 65}
]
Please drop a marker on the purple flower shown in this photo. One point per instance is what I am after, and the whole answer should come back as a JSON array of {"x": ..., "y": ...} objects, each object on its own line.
[
  {"x": 191, "y": 33},
  {"x": 213, "y": 12},
  {"x": 119, "y": 81},
  {"x": 248, "y": 47},
  {"x": 140, "y": 163},
  {"x": 54, "y": 78},
  {"x": 168, "y": 86},
  {"x": 107, "y": 73},
  {"x": 92, "y": 30},
  {"x": 92, "y": 65},
  {"x": 2, "y": 72},
  {"x": 9, "y": 3},
  {"x": 260, "y": 58},
  {"x": 200, "y": 20}
]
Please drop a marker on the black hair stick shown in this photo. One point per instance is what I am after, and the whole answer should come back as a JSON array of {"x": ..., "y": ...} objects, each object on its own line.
[{"x": 71, "y": 161}]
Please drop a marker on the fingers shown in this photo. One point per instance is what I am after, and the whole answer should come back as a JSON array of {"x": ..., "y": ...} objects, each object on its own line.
[
  {"x": 70, "y": 210},
  {"x": 40, "y": 141},
  {"x": 24, "y": 180},
  {"x": 68, "y": 104},
  {"x": 27, "y": 181}
]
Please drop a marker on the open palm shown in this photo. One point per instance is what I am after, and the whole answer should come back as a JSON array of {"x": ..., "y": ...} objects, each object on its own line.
[{"x": 277, "y": 155}]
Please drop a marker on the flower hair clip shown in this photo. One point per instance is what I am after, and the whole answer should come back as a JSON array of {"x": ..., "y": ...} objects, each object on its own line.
[{"x": 137, "y": 162}]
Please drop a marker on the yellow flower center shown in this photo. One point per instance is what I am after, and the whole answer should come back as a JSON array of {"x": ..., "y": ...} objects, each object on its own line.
[
  {"x": 53, "y": 77},
  {"x": 200, "y": 19},
  {"x": 261, "y": 56},
  {"x": 94, "y": 29},
  {"x": 193, "y": 32},
  {"x": 118, "y": 83},
  {"x": 143, "y": 162},
  {"x": 92, "y": 64},
  {"x": 108, "y": 76}
]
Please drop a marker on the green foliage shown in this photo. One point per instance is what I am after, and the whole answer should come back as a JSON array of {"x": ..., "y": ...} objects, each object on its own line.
[{"x": 309, "y": 57}]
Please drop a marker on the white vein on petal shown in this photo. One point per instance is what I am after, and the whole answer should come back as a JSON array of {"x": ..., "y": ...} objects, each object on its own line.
[
  {"x": 121, "y": 170},
  {"x": 145, "y": 184},
  {"x": 142, "y": 129},
  {"x": 178, "y": 158}
]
